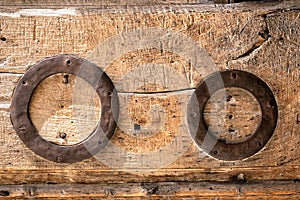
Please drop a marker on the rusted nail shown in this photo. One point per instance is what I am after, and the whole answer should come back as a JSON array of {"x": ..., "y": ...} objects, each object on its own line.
[
  {"x": 66, "y": 79},
  {"x": 22, "y": 128},
  {"x": 62, "y": 135},
  {"x": 194, "y": 114},
  {"x": 58, "y": 159},
  {"x": 241, "y": 177},
  {"x": 69, "y": 62}
]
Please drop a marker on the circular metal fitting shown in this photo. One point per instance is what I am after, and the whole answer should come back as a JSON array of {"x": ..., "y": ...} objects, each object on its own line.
[
  {"x": 219, "y": 148},
  {"x": 28, "y": 133}
]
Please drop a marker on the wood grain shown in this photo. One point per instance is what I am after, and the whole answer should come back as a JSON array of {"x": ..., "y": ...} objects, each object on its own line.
[
  {"x": 63, "y": 118},
  {"x": 165, "y": 190},
  {"x": 263, "y": 40},
  {"x": 110, "y": 2},
  {"x": 233, "y": 115}
]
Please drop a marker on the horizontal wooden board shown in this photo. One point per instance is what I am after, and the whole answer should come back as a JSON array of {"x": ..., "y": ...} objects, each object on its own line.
[
  {"x": 154, "y": 86},
  {"x": 165, "y": 190},
  {"x": 110, "y": 2}
]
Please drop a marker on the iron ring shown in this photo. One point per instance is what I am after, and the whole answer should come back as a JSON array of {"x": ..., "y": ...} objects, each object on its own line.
[
  {"x": 199, "y": 130},
  {"x": 28, "y": 133}
]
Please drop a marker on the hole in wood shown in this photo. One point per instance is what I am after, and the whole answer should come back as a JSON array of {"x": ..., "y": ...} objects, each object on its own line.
[
  {"x": 3, "y": 39},
  {"x": 151, "y": 125},
  {"x": 232, "y": 115},
  {"x": 4, "y": 193},
  {"x": 55, "y": 108},
  {"x": 231, "y": 130},
  {"x": 137, "y": 127},
  {"x": 228, "y": 98}
]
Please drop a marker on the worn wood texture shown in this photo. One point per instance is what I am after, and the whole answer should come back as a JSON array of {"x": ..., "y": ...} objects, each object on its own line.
[
  {"x": 59, "y": 117},
  {"x": 39, "y": 3},
  {"x": 178, "y": 190},
  {"x": 151, "y": 143},
  {"x": 235, "y": 119},
  {"x": 95, "y": 2}
]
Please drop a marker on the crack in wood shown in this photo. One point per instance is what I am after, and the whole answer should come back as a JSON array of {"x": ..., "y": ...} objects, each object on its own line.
[
  {"x": 263, "y": 37},
  {"x": 159, "y": 92}
]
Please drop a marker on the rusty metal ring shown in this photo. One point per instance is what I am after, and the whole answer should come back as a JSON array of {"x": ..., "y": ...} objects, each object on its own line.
[
  {"x": 218, "y": 148},
  {"x": 29, "y": 134}
]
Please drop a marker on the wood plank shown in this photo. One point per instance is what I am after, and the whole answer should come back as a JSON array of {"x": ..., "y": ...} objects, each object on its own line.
[
  {"x": 105, "y": 2},
  {"x": 183, "y": 160},
  {"x": 165, "y": 190},
  {"x": 262, "y": 40},
  {"x": 111, "y": 2}
]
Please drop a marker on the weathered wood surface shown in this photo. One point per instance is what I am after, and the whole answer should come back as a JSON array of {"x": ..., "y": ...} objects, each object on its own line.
[
  {"x": 165, "y": 190},
  {"x": 262, "y": 39},
  {"x": 40, "y": 3}
]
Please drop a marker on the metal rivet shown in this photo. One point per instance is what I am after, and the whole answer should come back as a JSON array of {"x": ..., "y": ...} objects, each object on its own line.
[
  {"x": 62, "y": 135},
  {"x": 58, "y": 159},
  {"x": 258, "y": 143},
  {"x": 241, "y": 177},
  {"x": 69, "y": 62},
  {"x": 194, "y": 114},
  {"x": 22, "y": 128}
]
